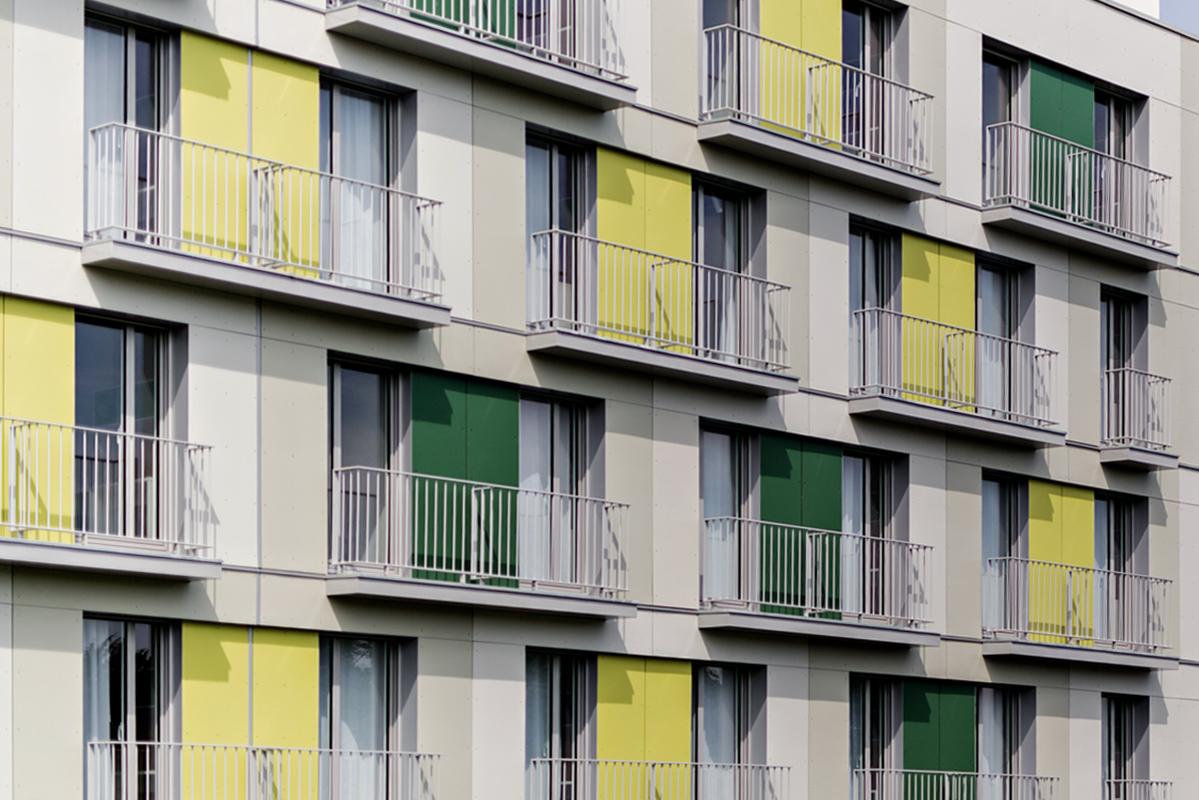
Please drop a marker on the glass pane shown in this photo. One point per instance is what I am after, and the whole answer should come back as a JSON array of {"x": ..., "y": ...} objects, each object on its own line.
[
  {"x": 717, "y": 475},
  {"x": 853, "y": 36},
  {"x": 326, "y": 693},
  {"x": 566, "y": 215},
  {"x": 535, "y": 507},
  {"x": 147, "y": 704},
  {"x": 720, "y": 12},
  {"x": 361, "y": 717},
  {"x": 719, "y": 739},
  {"x": 100, "y": 457},
  {"x": 103, "y": 680},
  {"x": 363, "y": 422},
  {"x": 104, "y": 74},
  {"x": 360, "y": 206},
  {"x": 997, "y": 92},
  {"x": 145, "y": 82},
  {"x": 877, "y": 43},
  {"x": 99, "y": 376}
]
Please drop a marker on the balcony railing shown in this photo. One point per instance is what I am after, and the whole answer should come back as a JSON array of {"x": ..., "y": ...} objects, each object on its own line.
[
  {"x": 1136, "y": 410},
  {"x": 754, "y": 79},
  {"x": 160, "y": 190},
  {"x": 1029, "y": 169},
  {"x": 580, "y": 34},
  {"x": 907, "y": 784},
  {"x": 592, "y": 779},
  {"x": 75, "y": 485},
  {"x": 606, "y": 290},
  {"x": 168, "y": 771},
  {"x": 426, "y": 527},
  {"x": 896, "y": 355},
  {"x": 1138, "y": 790},
  {"x": 767, "y": 567},
  {"x": 1050, "y": 603}
]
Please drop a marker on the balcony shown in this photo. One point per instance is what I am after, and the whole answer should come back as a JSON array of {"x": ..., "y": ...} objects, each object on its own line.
[
  {"x": 764, "y": 576},
  {"x": 901, "y": 784},
  {"x": 184, "y": 211},
  {"x": 598, "y": 301},
  {"x": 1056, "y": 190},
  {"x": 955, "y": 379},
  {"x": 167, "y": 771},
  {"x": 105, "y": 501},
  {"x": 593, "y": 779},
  {"x": 1057, "y": 611},
  {"x": 776, "y": 102},
  {"x": 1138, "y": 790},
  {"x": 403, "y": 536},
  {"x": 1136, "y": 420},
  {"x": 567, "y": 48}
]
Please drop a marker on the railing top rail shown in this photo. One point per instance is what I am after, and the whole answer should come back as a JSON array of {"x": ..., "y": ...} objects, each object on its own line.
[
  {"x": 1136, "y": 782},
  {"x": 663, "y": 257},
  {"x": 271, "y": 748},
  {"x": 1076, "y": 568},
  {"x": 1079, "y": 148},
  {"x": 19, "y": 422},
  {"x": 819, "y": 531},
  {"x": 956, "y": 329},
  {"x": 1139, "y": 372},
  {"x": 266, "y": 163},
  {"x": 829, "y": 61},
  {"x": 399, "y": 473}
]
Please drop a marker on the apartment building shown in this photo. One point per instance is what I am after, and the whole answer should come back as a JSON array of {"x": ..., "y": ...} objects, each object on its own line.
[{"x": 597, "y": 400}]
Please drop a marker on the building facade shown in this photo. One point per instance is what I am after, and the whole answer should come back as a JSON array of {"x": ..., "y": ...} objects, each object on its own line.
[{"x": 597, "y": 400}]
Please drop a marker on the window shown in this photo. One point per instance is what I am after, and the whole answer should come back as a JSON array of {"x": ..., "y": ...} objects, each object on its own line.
[
  {"x": 725, "y": 470},
  {"x": 729, "y": 725},
  {"x": 1126, "y": 389},
  {"x": 1000, "y": 79},
  {"x": 875, "y": 714},
  {"x": 1002, "y": 519},
  {"x": 997, "y": 359},
  {"x": 557, "y": 205},
  {"x": 1113, "y": 136},
  {"x": 362, "y": 447},
  {"x": 119, "y": 408},
  {"x": 1117, "y": 589},
  {"x": 1125, "y": 746},
  {"x": 559, "y": 711},
  {"x": 866, "y": 512},
  {"x": 865, "y": 50},
  {"x": 129, "y": 685},
  {"x": 1005, "y": 717},
  {"x": 720, "y": 236},
  {"x": 1113, "y": 125},
  {"x": 872, "y": 279},
  {"x": 1118, "y": 335},
  {"x": 360, "y": 702}
]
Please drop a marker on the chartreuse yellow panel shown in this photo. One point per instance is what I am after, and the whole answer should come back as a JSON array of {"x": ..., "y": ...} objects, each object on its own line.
[
  {"x": 214, "y": 89},
  {"x": 643, "y": 713},
  {"x": 957, "y": 309},
  {"x": 215, "y": 699},
  {"x": 643, "y": 210},
  {"x": 286, "y": 129},
  {"x": 822, "y": 28},
  {"x": 286, "y": 693},
  {"x": 1061, "y": 533},
  {"x": 798, "y": 59},
  {"x": 39, "y": 385}
]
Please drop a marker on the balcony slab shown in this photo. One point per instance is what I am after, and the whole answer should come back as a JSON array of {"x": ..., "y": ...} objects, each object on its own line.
[
  {"x": 212, "y": 273},
  {"x": 659, "y": 362},
  {"x": 442, "y": 44},
  {"x": 385, "y": 587},
  {"x": 1079, "y": 237},
  {"x": 976, "y": 425},
  {"x": 734, "y": 620},
  {"x": 1093, "y": 656},
  {"x": 1137, "y": 458},
  {"x": 132, "y": 561},
  {"x": 817, "y": 158}
]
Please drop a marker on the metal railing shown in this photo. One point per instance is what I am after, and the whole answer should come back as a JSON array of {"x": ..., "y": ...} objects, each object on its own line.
[
  {"x": 1136, "y": 409},
  {"x": 908, "y": 784},
  {"x": 581, "y": 34},
  {"x": 602, "y": 289},
  {"x": 596, "y": 779},
  {"x": 1138, "y": 790},
  {"x": 1053, "y": 603},
  {"x": 160, "y": 190},
  {"x": 89, "y": 486},
  {"x": 896, "y": 355},
  {"x": 767, "y": 567},
  {"x": 1030, "y": 169},
  {"x": 754, "y": 79},
  {"x": 426, "y": 527},
  {"x": 169, "y": 771}
]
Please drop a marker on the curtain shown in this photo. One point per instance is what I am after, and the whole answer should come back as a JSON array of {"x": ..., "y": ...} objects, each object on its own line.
[
  {"x": 361, "y": 718},
  {"x": 853, "y": 493},
  {"x": 993, "y": 355},
  {"x": 719, "y": 739},
  {"x": 721, "y": 545},
  {"x": 534, "y": 520},
  {"x": 992, "y": 760},
  {"x": 360, "y": 228},
  {"x": 104, "y": 102}
]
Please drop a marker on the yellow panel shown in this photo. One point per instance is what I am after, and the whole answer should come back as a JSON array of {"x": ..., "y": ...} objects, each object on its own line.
[
  {"x": 1044, "y": 521},
  {"x": 920, "y": 296},
  {"x": 667, "y": 710},
  {"x": 919, "y": 292},
  {"x": 668, "y": 210},
  {"x": 214, "y": 111},
  {"x": 957, "y": 294},
  {"x": 821, "y": 28},
  {"x": 620, "y": 708},
  {"x": 216, "y": 688},
  {"x": 39, "y": 384},
  {"x": 1046, "y": 585},
  {"x": 782, "y": 20},
  {"x": 286, "y": 122},
  {"x": 1078, "y": 527},
  {"x": 620, "y": 198},
  {"x": 286, "y": 688}
]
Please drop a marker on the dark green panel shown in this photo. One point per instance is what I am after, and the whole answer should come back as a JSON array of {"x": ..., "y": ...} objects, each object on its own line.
[
  {"x": 1062, "y": 104},
  {"x": 438, "y": 432},
  {"x": 780, "y": 486},
  {"x": 492, "y": 434},
  {"x": 959, "y": 726},
  {"x": 921, "y": 732},
  {"x": 821, "y": 487}
]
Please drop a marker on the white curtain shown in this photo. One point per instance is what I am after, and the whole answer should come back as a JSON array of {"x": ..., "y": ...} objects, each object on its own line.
[
  {"x": 993, "y": 355},
  {"x": 992, "y": 743},
  {"x": 361, "y": 718},
  {"x": 718, "y": 486},
  {"x": 1103, "y": 562},
  {"x": 103, "y": 680},
  {"x": 104, "y": 102},
  {"x": 534, "y": 521},
  {"x": 718, "y": 736},
  {"x": 853, "y": 493},
  {"x": 360, "y": 215}
]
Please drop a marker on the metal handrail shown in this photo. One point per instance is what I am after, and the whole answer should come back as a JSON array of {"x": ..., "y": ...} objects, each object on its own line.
[
  {"x": 1136, "y": 409},
  {"x": 912, "y": 784},
  {"x": 613, "y": 779},
  {"x": 1138, "y": 790},
  {"x": 769, "y": 567}
]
